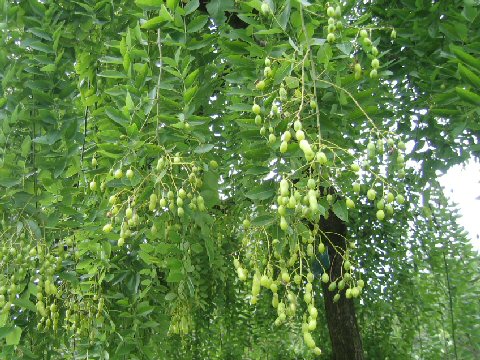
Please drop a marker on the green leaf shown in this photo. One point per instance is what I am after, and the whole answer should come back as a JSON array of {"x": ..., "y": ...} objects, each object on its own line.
[
  {"x": 469, "y": 76},
  {"x": 465, "y": 57},
  {"x": 202, "y": 149},
  {"x": 5, "y": 330},
  {"x": 113, "y": 74},
  {"x": 159, "y": 20},
  {"x": 48, "y": 139},
  {"x": 262, "y": 192},
  {"x": 117, "y": 116},
  {"x": 468, "y": 96},
  {"x": 189, "y": 94},
  {"x": 34, "y": 228},
  {"x": 149, "y": 4},
  {"x": 175, "y": 276},
  {"x": 263, "y": 220},
  {"x": 217, "y": 8},
  {"x": 340, "y": 209},
  {"x": 191, "y": 7},
  {"x": 285, "y": 15},
  {"x": 197, "y": 24},
  {"x": 13, "y": 337},
  {"x": 25, "y": 304}
]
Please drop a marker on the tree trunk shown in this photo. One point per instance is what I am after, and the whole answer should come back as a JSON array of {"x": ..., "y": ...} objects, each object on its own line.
[{"x": 341, "y": 318}]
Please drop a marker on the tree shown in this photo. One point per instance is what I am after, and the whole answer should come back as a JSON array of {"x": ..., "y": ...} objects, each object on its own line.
[{"x": 179, "y": 177}]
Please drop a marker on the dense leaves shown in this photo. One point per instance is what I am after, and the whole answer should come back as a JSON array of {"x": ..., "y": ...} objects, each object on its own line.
[{"x": 168, "y": 169}]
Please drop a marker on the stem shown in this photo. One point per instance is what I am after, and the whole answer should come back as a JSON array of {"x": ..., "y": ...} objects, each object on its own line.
[
  {"x": 450, "y": 300},
  {"x": 159, "y": 44},
  {"x": 313, "y": 74}
]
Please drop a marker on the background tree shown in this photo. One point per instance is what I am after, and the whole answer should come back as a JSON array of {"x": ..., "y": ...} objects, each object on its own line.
[{"x": 185, "y": 179}]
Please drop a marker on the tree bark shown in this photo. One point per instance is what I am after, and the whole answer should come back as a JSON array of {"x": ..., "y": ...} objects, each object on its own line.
[{"x": 341, "y": 317}]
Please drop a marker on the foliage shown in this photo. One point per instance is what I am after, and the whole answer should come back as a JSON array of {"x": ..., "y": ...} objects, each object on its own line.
[{"x": 166, "y": 168}]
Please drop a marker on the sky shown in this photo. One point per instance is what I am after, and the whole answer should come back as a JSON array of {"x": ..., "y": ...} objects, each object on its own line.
[{"x": 462, "y": 186}]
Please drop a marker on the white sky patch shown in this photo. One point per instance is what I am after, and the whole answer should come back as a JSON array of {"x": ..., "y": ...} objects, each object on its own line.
[{"x": 462, "y": 186}]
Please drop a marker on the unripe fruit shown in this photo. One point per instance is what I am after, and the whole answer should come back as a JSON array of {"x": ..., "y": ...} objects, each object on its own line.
[
  {"x": 390, "y": 197},
  {"x": 273, "y": 287},
  {"x": 180, "y": 212},
  {"x": 94, "y": 162},
  {"x": 265, "y": 8},
  {"x": 283, "y": 147},
  {"x": 360, "y": 283},
  {"x": 389, "y": 209},
  {"x": 313, "y": 104},
  {"x": 213, "y": 164},
  {"x": 380, "y": 215},
  {"x": 393, "y": 34},
  {"x": 107, "y": 228},
  {"x": 300, "y": 135},
  {"x": 311, "y": 184},
  {"x": 375, "y": 63},
  {"x": 129, "y": 173},
  {"x": 347, "y": 265},
  {"x": 260, "y": 85},
  {"x": 356, "y": 188},
  {"x": 121, "y": 241},
  {"x": 348, "y": 293},
  {"x": 330, "y": 11},
  {"x": 246, "y": 223},
  {"x": 118, "y": 174},
  {"x": 241, "y": 274},
  {"x": 256, "y": 109},
  {"x": 267, "y": 72},
  {"x": 371, "y": 194},
  {"x": 374, "y": 51},
  {"x": 321, "y": 248},
  {"x": 307, "y": 337},
  {"x": 331, "y": 37},
  {"x": 272, "y": 138},
  {"x": 258, "y": 120},
  {"x": 400, "y": 199},
  {"x": 336, "y": 298},
  {"x": 401, "y": 145},
  {"x": 93, "y": 185},
  {"x": 283, "y": 223},
  {"x": 325, "y": 278},
  {"x": 263, "y": 131},
  {"x": 182, "y": 194},
  {"x": 129, "y": 213},
  {"x": 310, "y": 278},
  {"x": 363, "y": 33},
  {"x": 355, "y": 167},
  {"x": 297, "y": 125},
  {"x": 322, "y": 158},
  {"x": 373, "y": 74},
  {"x": 350, "y": 203},
  {"x": 317, "y": 351},
  {"x": 267, "y": 62}
]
